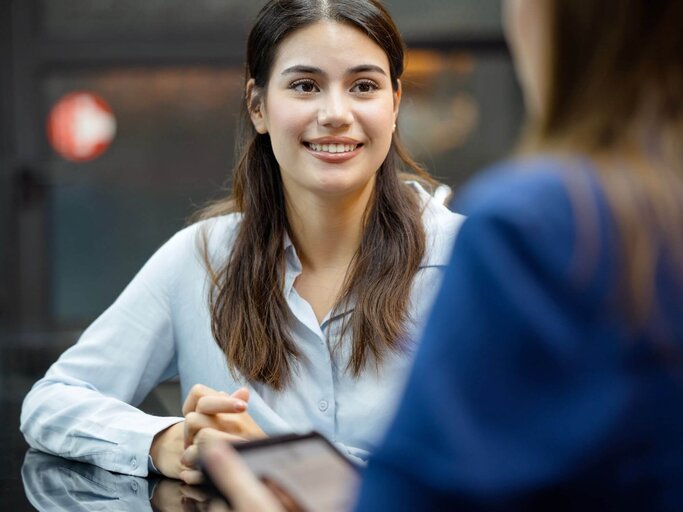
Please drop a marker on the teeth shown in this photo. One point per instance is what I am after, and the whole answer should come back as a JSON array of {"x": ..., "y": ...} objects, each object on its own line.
[{"x": 333, "y": 148}]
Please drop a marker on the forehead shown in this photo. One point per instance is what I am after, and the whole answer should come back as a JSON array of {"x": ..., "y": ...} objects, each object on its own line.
[{"x": 329, "y": 45}]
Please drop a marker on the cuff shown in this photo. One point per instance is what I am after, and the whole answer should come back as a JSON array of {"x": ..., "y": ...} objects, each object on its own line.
[{"x": 136, "y": 459}]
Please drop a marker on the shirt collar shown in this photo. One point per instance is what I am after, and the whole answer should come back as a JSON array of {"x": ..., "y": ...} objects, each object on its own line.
[{"x": 439, "y": 226}]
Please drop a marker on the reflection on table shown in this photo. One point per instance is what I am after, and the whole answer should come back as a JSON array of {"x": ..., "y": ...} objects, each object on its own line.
[{"x": 52, "y": 483}]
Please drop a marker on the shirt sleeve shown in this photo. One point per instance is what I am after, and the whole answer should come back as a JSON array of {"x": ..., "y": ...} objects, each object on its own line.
[
  {"x": 507, "y": 343},
  {"x": 84, "y": 407}
]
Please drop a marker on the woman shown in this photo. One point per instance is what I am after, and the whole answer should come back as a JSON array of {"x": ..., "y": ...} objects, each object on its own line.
[
  {"x": 550, "y": 376},
  {"x": 306, "y": 286}
]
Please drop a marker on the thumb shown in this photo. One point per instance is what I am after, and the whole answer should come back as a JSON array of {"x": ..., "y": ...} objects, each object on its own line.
[{"x": 236, "y": 481}]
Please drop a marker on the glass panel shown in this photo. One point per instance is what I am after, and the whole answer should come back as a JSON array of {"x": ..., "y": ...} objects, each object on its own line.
[
  {"x": 434, "y": 19},
  {"x": 172, "y": 152},
  {"x": 145, "y": 19},
  {"x": 75, "y": 19},
  {"x": 460, "y": 111}
]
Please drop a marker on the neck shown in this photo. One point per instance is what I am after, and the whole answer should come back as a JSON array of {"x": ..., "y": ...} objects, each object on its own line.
[{"x": 327, "y": 231}]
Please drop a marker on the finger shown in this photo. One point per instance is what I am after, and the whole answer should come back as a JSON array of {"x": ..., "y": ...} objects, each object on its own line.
[
  {"x": 236, "y": 481},
  {"x": 242, "y": 394},
  {"x": 224, "y": 424},
  {"x": 190, "y": 456},
  {"x": 215, "y": 404},
  {"x": 208, "y": 436},
  {"x": 194, "y": 422},
  {"x": 196, "y": 392},
  {"x": 192, "y": 476}
]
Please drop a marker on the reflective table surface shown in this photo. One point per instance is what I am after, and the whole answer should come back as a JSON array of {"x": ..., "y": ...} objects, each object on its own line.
[{"x": 52, "y": 483}]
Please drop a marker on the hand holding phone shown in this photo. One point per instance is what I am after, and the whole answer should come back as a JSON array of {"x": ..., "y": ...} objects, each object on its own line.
[{"x": 304, "y": 471}]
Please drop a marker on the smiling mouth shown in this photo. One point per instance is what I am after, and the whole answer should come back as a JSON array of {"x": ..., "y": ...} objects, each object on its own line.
[{"x": 332, "y": 148}]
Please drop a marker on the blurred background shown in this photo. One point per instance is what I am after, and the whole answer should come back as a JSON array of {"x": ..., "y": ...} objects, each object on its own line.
[{"x": 117, "y": 120}]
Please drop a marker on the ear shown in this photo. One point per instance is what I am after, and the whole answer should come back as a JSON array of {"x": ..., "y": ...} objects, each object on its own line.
[
  {"x": 255, "y": 107},
  {"x": 397, "y": 100}
]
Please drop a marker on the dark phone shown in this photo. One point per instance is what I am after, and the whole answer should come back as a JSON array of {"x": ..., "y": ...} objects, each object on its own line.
[{"x": 306, "y": 471}]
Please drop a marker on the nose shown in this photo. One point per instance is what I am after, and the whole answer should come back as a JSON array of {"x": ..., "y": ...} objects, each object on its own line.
[{"x": 335, "y": 111}]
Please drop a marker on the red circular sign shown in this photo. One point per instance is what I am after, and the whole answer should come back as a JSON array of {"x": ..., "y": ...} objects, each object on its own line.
[{"x": 81, "y": 126}]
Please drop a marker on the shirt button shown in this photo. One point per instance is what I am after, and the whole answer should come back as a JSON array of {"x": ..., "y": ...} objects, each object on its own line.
[
  {"x": 134, "y": 462},
  {"x": 322, "y": 405}
]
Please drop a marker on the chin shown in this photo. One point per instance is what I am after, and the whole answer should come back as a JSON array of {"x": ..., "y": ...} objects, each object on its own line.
[{"x": 341, "y": 186}]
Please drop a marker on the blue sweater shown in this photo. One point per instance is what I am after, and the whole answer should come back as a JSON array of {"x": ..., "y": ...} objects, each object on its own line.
[{"x": 530, "y": 390}]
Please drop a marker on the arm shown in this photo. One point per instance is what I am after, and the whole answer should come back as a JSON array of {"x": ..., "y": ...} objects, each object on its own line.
[{"x": 84, "y": 407}]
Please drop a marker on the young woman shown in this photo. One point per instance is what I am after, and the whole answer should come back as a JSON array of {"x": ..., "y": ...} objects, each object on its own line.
[
  {"x": 550, "y": 376},
  {"x": 300, "y": 294}
]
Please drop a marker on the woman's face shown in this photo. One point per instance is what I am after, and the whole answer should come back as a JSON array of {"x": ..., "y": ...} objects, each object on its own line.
[
  {"x": 525, "y": 26},
  {"x": 329, "y": 110}
]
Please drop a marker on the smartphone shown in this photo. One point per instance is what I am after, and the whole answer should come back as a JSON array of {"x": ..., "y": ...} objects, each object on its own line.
[{"x": 305, "y": 471}]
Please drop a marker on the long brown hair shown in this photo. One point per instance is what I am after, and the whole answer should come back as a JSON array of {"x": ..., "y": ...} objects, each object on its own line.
[
  {"x": 249, "y": 313},
  {"x": 614, "y": 92}
]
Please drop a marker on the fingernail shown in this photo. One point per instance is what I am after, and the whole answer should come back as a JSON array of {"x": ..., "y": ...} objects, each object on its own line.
[{"x": 239, "y": 404}]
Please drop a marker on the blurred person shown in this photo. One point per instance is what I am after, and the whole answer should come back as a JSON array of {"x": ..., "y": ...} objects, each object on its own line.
[
  {"x": 550, "y": 374},
  {"x": 298, "y": 296}
]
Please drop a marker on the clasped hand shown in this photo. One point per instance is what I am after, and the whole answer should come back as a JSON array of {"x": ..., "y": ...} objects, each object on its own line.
[{"x": 210, "y": 415}]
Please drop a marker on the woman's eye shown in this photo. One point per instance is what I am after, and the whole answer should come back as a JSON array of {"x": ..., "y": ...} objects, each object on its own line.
[
  {"x": 365, "y": 86},
  {"x": 305, "y": 86}
]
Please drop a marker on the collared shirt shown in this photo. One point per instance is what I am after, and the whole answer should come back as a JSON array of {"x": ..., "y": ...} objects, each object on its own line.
[{"x": 160, "y": 328}]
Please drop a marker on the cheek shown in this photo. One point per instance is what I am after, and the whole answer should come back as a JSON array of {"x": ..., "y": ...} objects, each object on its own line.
[
  {"x": 285, "y": 122},
  {"x": 285, "y": 128},
  {"x": 523, "y": 23},
  {"x": 378, "y": 119}
]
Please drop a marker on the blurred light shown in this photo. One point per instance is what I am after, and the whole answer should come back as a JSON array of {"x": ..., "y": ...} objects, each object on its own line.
[
  {"x": 81, "y": 126},
  {"x": 427, "y": 64}
]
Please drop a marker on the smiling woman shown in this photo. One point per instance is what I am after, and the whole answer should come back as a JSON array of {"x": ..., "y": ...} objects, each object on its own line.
[{"x": 290, "y": 305}]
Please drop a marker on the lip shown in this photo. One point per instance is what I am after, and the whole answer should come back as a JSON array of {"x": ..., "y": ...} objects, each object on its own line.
[
  {"x": 334, "y": 158},
  {"x": 334, "y": 140}
]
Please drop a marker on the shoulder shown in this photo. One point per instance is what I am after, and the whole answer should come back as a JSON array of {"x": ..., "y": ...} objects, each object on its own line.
[
  {"x": 440, "y": 224},
  {"x": 546, "y": 215},
  {"x": 538, "y": 190},
  {"x": 211, "y": 236}
]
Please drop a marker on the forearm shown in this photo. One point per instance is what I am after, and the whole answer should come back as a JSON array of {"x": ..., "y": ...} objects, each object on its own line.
[{"x": 82, "y": 424}]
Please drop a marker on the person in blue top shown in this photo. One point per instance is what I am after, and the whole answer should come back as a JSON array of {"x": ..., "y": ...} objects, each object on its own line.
[{"x": 550, "y": 376}]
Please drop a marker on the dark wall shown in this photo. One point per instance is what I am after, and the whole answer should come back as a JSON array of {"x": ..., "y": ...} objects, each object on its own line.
[{"x": 8, "y": 274}]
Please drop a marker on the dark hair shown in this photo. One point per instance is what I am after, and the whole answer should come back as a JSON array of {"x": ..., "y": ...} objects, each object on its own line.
[
  {"x": 277, "y": 20},
  {"x": 614, "y": 87},
  {"x": 249, "y": 313}
]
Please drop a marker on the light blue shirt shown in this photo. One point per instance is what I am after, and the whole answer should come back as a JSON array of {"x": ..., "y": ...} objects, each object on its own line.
[{"x": 160, "y": 328}]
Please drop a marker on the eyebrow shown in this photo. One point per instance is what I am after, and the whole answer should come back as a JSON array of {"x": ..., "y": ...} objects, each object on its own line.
[{"x": 311, "y": 70}]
